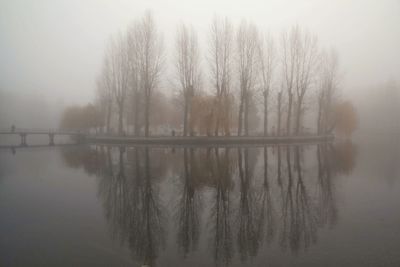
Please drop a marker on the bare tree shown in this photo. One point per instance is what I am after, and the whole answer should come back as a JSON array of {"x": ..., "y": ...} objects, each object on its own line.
[
  {"x": 247, "y": 45},
  {"x": 299, "y": 61},
  {"x": 279, "y": 114},
  {"x": 133, "y": 65},
  {"x": 105, "y": 93},
  {"x": 188, "y": 70},
  {"x": 220, "y": 57},
  {"x": 149, "y": 60},
  {"x": 327, "y": 91},
  {"x": 118, "y": 75},
  {"x": 266, "y": 52},
  {"x": 134, "y": 75},
  {"x": 289, "y": 43},
  {"x": 307, "y": 56}
]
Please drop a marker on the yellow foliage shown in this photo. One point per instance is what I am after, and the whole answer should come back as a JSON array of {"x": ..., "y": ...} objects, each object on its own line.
[{"x": 346, "y": 118}]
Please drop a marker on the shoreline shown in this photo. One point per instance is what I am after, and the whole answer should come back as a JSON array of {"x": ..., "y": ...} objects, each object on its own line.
[{"x": 206, "y": 140}]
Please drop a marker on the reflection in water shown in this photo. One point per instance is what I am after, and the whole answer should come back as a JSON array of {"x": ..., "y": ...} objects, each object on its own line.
[
  {"x": 189, "y": 205},
  {"x": 344, "y": 157},
  {"x": 220, "y": 220},
  {"x": 131, "y": 202},
  {"x": 244, "y": 207},
  {"x": 249, "y": 215},
  {"x": 326, "y": 208}
]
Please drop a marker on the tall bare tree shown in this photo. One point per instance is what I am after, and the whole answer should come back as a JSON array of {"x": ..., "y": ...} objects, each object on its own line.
[
  {"x": 307, "y": 57},
  {"x": 188, "y": 71},
  {"x": 118, "y": 71},
  {"x": 266, "y": 54},
  {"x": 279, "y": 114},
  {"x": 105, "y": 94},
  {"x": 327, "y": 91},
  {"x": 133, "y": 65},
  {"x": 299, "y": 61},
  {"x": 289, "y": 43},
  {"x": 247, "y": 45},
  {"x": 220, "y": 57},
  {"x": 134, "y": 75},
  {"x": 150, "y": 61}
]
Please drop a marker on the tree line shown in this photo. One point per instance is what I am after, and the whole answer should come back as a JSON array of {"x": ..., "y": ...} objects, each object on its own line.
[{"x": 243, "y": 79}]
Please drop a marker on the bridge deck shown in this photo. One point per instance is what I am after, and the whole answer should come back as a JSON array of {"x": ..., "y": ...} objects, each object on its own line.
[{"x": 19, "y": 132}]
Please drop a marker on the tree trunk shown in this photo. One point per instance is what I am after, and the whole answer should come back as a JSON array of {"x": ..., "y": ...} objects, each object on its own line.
[
  {"x": 146, "y": 116},
  {"x": 278, "y": 130},
  {"x": 246, "y": 115},
  {"x": 319, "y": 117},
  {"x": 265, "y": 113},
  {"x": 120, "y": 119},
  {"x": 190, "y": 113},
  {"x": 298, "y": 115},
  {"x": 289, "y": 114},
  {"x": 328, "y": 114},
  {"x": 226, "y": 117},
  {"x": 108, "y": 119},
  {"x": 185, "y": 117},
  {"x": 136, "y": 115},
  {"x": 240, "y": 119},
  {"x": 217, "y": 117}
]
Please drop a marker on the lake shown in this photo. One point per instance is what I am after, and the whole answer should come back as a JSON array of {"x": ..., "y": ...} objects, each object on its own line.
[{"x": 300, "y": 205}]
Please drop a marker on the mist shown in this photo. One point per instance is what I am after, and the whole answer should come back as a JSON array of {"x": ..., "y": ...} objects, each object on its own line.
[
  {"x": 52, "y": 51},
  {"x": 199, "y": 133}
]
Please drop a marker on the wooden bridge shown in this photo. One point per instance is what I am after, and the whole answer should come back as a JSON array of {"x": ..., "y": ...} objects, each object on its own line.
[{"x": 23, "y": 133}]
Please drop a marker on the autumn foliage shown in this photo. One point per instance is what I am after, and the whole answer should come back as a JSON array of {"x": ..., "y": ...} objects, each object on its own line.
[
  {"x": 346, "y": 119},
  {"x": 81, "y": 118}
]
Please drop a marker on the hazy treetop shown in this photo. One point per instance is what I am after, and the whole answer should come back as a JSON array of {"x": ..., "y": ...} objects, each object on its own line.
[{"x": 55, "y": 47}]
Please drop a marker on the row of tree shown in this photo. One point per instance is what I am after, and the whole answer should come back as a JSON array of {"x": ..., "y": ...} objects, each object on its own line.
[{"x": 248, "y": 76}]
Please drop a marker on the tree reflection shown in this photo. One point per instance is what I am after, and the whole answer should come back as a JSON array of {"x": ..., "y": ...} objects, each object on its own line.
[
  {"x": 299, "y": 222},
  {"x": 148, "y": 233},
  {"x": 327, "y": 205},
  {"x": 86, "y": 157},
  {"x": 344, "y": 157},
  {"x": 189, "y": 206},
  {"x": 220, "y": 206},
  {"x": 267, "y": 216},
  {"x": 132, "y": 205},
  {"x": 250, "y": 212},
  {"x": 246, "y": 207},
  {"x": 114, "y": 192}
]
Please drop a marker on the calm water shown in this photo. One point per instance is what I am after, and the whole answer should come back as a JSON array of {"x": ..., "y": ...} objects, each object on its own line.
[{"x": 315, "y": 205}]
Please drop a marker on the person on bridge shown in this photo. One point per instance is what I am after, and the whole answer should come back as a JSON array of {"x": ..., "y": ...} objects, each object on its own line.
[{"x": 13, "y": 128}]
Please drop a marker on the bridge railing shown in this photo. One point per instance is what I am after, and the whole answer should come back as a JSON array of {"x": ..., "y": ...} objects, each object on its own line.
[{"x": 38, "y": 130}]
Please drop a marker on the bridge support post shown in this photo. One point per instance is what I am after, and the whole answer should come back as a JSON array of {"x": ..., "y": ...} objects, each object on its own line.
[
  {"x": 23, "y": 139},
  {"x": 51, "y": 139}
]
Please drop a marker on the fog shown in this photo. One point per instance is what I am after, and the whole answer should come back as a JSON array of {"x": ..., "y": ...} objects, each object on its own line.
[{"x": 51, "y": 51}]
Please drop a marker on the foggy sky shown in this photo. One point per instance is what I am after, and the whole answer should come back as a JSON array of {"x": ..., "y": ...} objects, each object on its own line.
[{"x": 55, "y": 48}]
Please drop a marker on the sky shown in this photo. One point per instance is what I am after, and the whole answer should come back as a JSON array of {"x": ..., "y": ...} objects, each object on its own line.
[{"x": 54, "y": 48}]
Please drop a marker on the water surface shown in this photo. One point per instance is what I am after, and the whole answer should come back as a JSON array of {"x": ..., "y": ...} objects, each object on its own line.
[{"x": 314, "y": 205}]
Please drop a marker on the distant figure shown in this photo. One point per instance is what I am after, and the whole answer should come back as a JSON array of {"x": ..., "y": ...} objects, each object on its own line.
[
  {"x": 173, "y": 132},
  {"x": 13, "y": 128}
]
